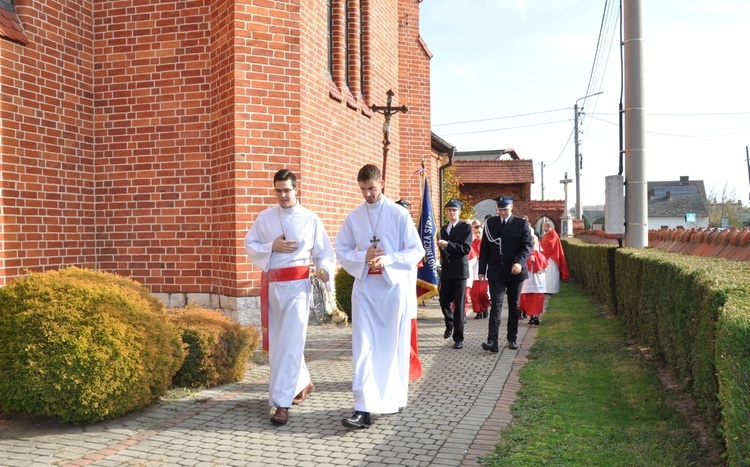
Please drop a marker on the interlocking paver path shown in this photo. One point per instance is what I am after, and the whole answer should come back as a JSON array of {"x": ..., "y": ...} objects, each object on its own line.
[{"x": 454, "y": 414}]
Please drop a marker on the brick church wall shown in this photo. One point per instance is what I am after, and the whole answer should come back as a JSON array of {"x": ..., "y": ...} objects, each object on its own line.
[
  {"x": 47, "y": 168},
  {"x": 414, "y": 82},
  {"x": 153, "y": 146},
  {"x": 141, "y": 138}
]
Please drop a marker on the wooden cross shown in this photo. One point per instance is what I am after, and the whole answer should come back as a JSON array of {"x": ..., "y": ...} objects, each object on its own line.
[{"x": 387, "y": 110}]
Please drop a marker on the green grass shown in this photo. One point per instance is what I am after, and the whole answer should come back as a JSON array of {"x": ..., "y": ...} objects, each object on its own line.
[{"x": 587, "y": 399}]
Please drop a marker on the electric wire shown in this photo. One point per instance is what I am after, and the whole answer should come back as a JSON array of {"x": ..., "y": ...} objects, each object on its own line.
[
  {"x": 607, "y": 30},
  {"x": 500, "y": 118},
  {"x": 507, "y": 128},
  {"x": 733, "y": 131}
]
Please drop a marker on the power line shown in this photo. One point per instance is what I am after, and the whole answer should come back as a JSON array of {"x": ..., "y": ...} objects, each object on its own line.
[
  {"x": 607, "y": 32},
  {"x": 500, "y": 118},
  {"x": 508, "y": 128},
  {"x": 570, "y": 136},
  {"x": 734, "y": 131},
  {"x": 705, "y": 114}
]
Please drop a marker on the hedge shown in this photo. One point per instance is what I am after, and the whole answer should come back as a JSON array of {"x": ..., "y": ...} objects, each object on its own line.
[{"x": 693, "y": 313}]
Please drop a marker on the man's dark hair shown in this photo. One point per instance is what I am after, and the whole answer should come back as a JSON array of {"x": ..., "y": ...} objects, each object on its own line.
[
  {"x": 285, "y": 174},
  {"x": 369, "y": 172}
]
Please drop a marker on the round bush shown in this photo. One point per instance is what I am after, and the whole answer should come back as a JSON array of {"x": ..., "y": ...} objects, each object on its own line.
[
  {"x": 218, "y": 349},
  {"x": 344, "y": 284},
  {"x": 82, "y": 346}
]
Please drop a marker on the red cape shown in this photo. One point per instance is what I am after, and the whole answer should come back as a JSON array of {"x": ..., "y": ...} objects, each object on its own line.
[
  {"x": 474, "y": 252},
  {"x": 552, "y": 249},
  {"x": 539, "y": 263}
]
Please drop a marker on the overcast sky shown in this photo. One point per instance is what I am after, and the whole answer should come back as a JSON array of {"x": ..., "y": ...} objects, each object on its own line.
[{"x": 507, "y": 73}]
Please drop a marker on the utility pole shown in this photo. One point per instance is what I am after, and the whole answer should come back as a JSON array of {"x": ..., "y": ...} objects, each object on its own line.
[
  {"x": 579, "y": 210},
  {"x": 541, "y": 164},
  {"x": 636, "y": 200},
  {"x": 747, "y": 159}
]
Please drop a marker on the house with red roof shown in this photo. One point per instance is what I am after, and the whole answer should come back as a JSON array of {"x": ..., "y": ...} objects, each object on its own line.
[{"x": 486, "y": 175}]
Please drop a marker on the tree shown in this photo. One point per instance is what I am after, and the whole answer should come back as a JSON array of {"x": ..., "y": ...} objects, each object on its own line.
[
  {"x": 723, "y": 205},
  {"x": 451, "y": 190}
]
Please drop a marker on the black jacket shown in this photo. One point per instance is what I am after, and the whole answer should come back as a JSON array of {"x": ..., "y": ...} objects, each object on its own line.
[
  {"x": 454, "y": 259},
  {"x": 515, "y": 238}
]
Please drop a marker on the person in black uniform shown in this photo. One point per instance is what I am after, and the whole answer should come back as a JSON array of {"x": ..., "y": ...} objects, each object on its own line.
[
  {"x": 455, "y": 244},
  {"x": 506, "y": 245}
]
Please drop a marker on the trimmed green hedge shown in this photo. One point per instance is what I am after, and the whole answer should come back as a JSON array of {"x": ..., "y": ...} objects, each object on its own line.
[
  {"x": 594, "y": 268},
  {"x": 82, "y": 346},
  {"x": 693, "y": 313},
  {"x": 218, "y": 349}
]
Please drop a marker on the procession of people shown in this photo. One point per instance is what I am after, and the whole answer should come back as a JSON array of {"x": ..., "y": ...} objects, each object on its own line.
[{"x": 380, "y": 246}]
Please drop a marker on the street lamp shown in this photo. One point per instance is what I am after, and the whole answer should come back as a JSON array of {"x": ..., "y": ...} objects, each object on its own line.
[{"x": 579, "y": 210}]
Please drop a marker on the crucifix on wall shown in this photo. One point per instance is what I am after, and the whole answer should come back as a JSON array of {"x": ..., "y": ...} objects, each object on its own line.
[{"x": 387, "y": 110}]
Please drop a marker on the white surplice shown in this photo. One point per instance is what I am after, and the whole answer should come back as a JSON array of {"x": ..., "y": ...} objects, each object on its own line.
[
  {"x": 552, "y": 276},
  {"x": 537, "y": 280},
  {"x": 381, "y": 303},
  {"x": 288, "y": 301}
]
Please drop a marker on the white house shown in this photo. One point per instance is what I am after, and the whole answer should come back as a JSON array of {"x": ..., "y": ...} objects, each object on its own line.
[{"x": 677, "y": 204}]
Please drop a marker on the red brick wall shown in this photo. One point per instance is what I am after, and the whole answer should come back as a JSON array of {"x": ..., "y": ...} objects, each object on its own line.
[
  {"x": 144, "y": 135},
  {"x": 414, "y": 82},
  {"x": 267, "y": 120},
  {"x": 153, "y": 153},
  {"x": 340, "y": 134},
  {"x": 47, "y": 213},
  {"x": 482, "y": 191},
  {"x": 522, "y": 204},
  {"x": 552, "y": 209},
  {"x": 224, "y": 193}
]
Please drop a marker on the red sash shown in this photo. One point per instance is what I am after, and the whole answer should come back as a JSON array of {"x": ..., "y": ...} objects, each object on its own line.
[
  {"x": 415, "y": 364},
  {"x": 276, "y": 275},
  {"x": 292, "y": 273}
]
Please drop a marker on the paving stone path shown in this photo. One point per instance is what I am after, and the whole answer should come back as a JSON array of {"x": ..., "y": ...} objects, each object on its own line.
[{"x": 454, "y": 414}]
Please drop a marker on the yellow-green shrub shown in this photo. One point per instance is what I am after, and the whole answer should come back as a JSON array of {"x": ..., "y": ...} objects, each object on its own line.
[
  {"x": 218, "y": 349},
  {"x": 344, "y": 284},
  {"x": 82, "y": 346}
]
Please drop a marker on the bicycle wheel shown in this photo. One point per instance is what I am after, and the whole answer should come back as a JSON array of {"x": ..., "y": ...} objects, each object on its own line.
[{"x": 317, "y": 302}]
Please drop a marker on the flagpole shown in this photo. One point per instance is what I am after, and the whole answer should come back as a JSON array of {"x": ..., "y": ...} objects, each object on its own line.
[{"x": 422, "y": 175}]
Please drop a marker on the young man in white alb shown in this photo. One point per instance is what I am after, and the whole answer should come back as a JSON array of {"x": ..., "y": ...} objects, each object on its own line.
[
  {"x": 281, "y": 242},
  {"x": 380, "y": 247}
]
